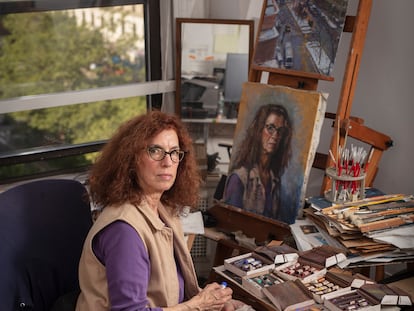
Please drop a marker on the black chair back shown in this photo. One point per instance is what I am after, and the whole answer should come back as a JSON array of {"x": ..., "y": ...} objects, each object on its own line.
[{"x": 43, "y": 225}]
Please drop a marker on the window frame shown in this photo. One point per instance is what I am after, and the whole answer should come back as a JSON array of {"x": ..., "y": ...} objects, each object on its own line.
[{"x": 153, "y": 88}]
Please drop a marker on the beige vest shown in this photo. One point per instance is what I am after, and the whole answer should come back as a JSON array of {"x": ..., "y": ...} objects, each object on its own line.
[{"x": 161, "y": 239}]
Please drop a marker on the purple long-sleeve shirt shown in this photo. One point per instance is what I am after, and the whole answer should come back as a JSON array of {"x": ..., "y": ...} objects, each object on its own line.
[{"x": 121, "y": 250}]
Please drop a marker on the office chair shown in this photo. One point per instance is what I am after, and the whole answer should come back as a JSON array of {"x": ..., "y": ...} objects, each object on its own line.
[{"x": 43, "y": 225}]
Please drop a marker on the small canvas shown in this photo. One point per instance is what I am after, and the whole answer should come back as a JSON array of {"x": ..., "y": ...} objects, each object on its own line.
[
  {"x": 275, "y": 140},
  {"x": 299, "y": 37}
]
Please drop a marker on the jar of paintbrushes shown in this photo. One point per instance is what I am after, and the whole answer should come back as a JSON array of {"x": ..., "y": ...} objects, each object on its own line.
[{"x": 348, "y": 175}]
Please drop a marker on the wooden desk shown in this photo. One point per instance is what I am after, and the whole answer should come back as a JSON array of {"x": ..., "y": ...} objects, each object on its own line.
[{"x": 231, "y": 219}]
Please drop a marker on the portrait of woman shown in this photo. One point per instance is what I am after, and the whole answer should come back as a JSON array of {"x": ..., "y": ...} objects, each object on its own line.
[
  {"x": 274, "y": 146},
  {"x": 254, "y": 183}
]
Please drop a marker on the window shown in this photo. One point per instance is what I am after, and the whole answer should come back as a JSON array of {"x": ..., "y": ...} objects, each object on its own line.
[{"x": 69, "y": 75}]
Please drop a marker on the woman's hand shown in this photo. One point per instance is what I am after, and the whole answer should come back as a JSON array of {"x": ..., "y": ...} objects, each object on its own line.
[
  {"x": 233, "y": 305},
  {"x": 212, "y": 297}
]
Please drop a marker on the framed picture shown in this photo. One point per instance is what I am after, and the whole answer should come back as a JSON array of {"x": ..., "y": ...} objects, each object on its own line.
[
  {"x": 212, "y": 58},
  {"x": 299, "y": 37},
  {"x": 274, "y": 146}
]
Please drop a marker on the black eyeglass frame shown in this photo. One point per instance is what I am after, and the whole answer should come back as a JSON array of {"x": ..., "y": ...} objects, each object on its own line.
[{"x": 179, "y": 153}]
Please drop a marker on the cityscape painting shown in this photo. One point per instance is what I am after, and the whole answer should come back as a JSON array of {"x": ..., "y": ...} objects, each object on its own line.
[{"x": 299, "y": 35}]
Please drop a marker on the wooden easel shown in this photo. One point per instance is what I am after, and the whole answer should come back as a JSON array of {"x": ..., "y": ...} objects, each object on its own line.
[
  {"x": 352, "y": 126},
  {"x": 234, "y": 219}
]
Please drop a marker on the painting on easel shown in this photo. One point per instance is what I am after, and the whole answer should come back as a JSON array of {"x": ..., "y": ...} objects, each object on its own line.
[
  {"x": 274, "y": 146},
  {"x": 299, "y": 37}
]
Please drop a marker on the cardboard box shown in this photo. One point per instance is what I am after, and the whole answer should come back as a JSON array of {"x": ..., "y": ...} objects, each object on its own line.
[
  {"x": 278, "y": 253},
  {"x": 324, "y": 255}
]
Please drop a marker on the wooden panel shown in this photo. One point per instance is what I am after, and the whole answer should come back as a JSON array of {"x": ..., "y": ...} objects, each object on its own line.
[
  {"x": 294, "y": 80},
  {"x": 369, "y": 136},
  {"x": 230, "y": 219}
]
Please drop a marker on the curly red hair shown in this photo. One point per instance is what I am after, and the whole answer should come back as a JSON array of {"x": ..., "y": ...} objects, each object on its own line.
[{"x": 113, "y": 178}]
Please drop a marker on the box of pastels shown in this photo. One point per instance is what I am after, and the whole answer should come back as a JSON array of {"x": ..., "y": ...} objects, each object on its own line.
[
  {"x": 330, "y": 284},
  {"x": 353, "y": 299},
  {"x": 300, "y": 269},
  {"x": 255, "y": 282},
  {"x": 247, "y": 264}
]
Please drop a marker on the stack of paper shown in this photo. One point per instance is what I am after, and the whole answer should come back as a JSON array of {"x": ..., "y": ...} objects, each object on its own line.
[
  {"x": 308, "y": 234},
  {"x": 378, "y": 226}
]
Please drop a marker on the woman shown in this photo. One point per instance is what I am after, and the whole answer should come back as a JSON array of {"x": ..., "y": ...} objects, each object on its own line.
[
  {"x": 135, "y": 256},
  {"x": 254, "y": 182}
]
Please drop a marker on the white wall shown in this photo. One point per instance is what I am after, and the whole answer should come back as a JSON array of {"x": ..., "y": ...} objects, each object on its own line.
[{"x": 383, "y": 96}]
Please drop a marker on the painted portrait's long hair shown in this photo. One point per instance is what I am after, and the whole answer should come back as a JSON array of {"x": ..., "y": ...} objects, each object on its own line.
[
  {"x": 113, "y": 179},
  {"x": 249, "y": 151}
]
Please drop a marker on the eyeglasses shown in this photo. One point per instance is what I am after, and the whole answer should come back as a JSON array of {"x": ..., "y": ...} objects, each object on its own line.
[
  {"x": 271, "y": 129},
  {"x": 158, "y": 154}
]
